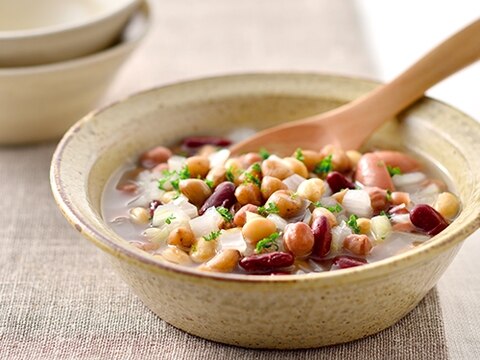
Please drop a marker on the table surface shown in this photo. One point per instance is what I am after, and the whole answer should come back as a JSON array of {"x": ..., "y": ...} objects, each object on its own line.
[{"x": 59, "y": 298}]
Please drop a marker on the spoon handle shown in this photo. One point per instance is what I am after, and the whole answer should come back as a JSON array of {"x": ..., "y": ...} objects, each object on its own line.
[{"x": 386, "y": 101}]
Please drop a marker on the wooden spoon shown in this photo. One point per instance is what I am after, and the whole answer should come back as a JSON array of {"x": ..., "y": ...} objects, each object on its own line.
[{"x": 350, "y": 125}]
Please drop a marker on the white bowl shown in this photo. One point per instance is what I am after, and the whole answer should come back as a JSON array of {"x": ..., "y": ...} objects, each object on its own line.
[
  {"x": 41, "y": 102},
  {"x": 34, "y": 32}
]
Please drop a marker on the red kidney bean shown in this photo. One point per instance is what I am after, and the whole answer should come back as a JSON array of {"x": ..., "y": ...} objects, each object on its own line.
[
  {"x": 153, "y": 205},
  {"x": 345, "y": 262},
  {"x": 198, "y": 141},
  {"x": 427, "y": 219},
  {"x": 267, "y": 262},
  {"x": 337, "y": 181},
  {"x": 224, "y": 195},
  {"x": 322, "y": 237}
]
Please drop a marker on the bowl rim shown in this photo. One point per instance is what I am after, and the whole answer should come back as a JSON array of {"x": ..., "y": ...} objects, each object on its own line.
[
  {"x": 435, "y": 246},
  {"x": 33, "y": 33},
  {"x": 124, "y": 44}
]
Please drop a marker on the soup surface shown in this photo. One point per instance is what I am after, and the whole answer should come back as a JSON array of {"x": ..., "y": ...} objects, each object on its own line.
[{"x": 259, "y": 213}]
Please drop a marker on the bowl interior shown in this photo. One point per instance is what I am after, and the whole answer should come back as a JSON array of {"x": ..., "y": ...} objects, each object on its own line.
[
  {"x": 23, "y": 15},
  {"x": 102, "y": 142}
]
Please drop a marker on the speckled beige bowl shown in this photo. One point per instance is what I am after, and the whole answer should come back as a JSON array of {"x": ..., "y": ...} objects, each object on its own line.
[{"x": 283, "y": 312}]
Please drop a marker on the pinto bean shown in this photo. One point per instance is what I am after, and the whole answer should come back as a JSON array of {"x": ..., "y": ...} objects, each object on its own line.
[
  {"x": 216, "y": 175},
  {"x": 248, "y": 194},
  {"x": 378, "y": 198},
  {"x": 310, "y": 159},
  {"x": 296, "y": 166},
  {"x": 241, "y": 215},
  {"x": 398, "y": 159},
  {"x": 298, "y": 239},
  {"x": 311, "y": 189},
  {"x": 271, "y": 184},
  {"x": 372, "y": 171},
  {"x": 181, "y": 236},
  {"x": 196, "y": 190},
  {"x": 340, "y": 160},
  {"x": 359, "y": 244},
  {"x": 155, "y": 156},
  {"x": 258, "y": 229},
  {"x": 288, "y": 203},
  {"x": 276, "y": 168},
  {"x": 224, "y": 262},
  {"x": 198, "y": 166}
]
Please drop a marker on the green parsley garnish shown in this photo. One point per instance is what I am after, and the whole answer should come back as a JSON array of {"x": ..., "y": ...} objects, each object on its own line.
[
  {"x": 227, "y": 215},
  {"x": 167, "y": 176},
  {"x": 299, "y": 154},
  {"x": 169, "y": 219},
  {"x": 264, "y": 153},
  {"x": 256, "y": 167},
  {"x": 184, "y": 173},
  {"x": 209, "y": 183},
  {"x": 334, "y": 209},
  {"x": 383, "y": 213},
  {"x": 212, "y": 236},
  {"x": 269, "y": 208},
  {"x": 324, "y": 166},
  {"x": 389, "y": 195},
  {"x": 267, "y": 243},
  {"x": 250, "y": 178},
  {"x": 394, "y": 170},
  {"x": 173, "y": 177},
  {"x": 229, "y": 174},
  {"x": 352, "y": 223}
]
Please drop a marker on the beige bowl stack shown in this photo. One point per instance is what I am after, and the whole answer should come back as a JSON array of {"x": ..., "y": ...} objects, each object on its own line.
[{"x": 57, "y": 59}]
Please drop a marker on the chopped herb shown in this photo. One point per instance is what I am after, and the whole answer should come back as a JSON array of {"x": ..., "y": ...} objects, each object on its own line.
[
  {"x": 299, "y": 154},
  {"x": 267, "y": 243},
  {"x": 389, "y": 195},
  {"x": 334, "y": 209},
  {"x": 209, "y": 183},
  {"x": 184, "y": 173},
  {"x": 212, "y": 236},
  {"x": 169, "y": 219},
  {"x": 352, "y": 223},
  {"x": 256, "y": 167},
  {"x": 229, "y": 174},
  {"x": 394, "y": 170},
  {"x": 250, "y": 178},
  {"x": 264, "y": 153},
  {"x": 324, "y": 166},
  {"x": 227, "y": 215},
  {"x": 167, "y": 176},
  {"x": 294, "y": 196},
  {"x": 176, "y": 184},
  {"x": 383, "y": 213},
  {"x": 269, "y": 208}
]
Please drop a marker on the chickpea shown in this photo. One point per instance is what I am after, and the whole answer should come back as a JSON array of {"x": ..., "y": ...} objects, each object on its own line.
[
  {"x": 296, "y": 166},
  {"x": 340, "y": 160},
  {"x": 298, "y": 239},
  {"x": 358, "y": 244},
  {"x": 321, "y": 211},
  {"x": 276, "y": 168},
  {"x": 198, "y": 166},
  {"x": 288, "y": 203},
  {"x": 140, "y": 215},
  {"x": 354, "y": 156},
  {"x": 203, "y": 250},
  {"x": 338, "y": 196},
  {"x": 364, "y": 225},
  {"x": 196, "y": 190},
  {"x": 235, "y": 164},
  {"x": 155, "y": 156},
  {"x": 234, "y": 168},
  {"x": 225, "y": 261},
  {"x": 270, "y": 185},
  {"x": 399, "y": 198},
  {"x": 447, "y": 205},
  {"x": 168, "y": 196},
  {"x": 311, "y": 189},
  {"x": 216, "y": 175},
  {"x": 310, "y": 159},
  {"x": 258, "y": 229},
  {"x": 181, "y": 236},
  {"x": 241, "y": 216},
  {"x": 175, "y": 255},
  {"x": 250, "y": 159},
  {"x": 253, "y": 170},
  {"x": 248, "y": 194}
]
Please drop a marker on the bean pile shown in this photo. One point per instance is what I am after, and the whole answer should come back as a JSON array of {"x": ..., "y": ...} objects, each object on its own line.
[{"x": 259, "y": 213}]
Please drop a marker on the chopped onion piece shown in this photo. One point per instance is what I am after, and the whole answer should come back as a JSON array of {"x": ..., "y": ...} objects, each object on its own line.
[
  {"x": 176, "y": 162},
  {"x": 427, "y": 195},
  {"x": 232, "y": 239},
  {"x": 169, "y": 214},
  {"x": 294, "y": 181},
  {"x": 339, "y": 233},
  {"x": 307, "y": 217},
  {"x": 328, "y": 191},
  {"x": 156, "y": 235},
  {"x": 219, "y": 158},
  {"x": 381, "y": 227},
  {"x": 147, "y": 184},
  {"x": 208, "y": 222},
  {"x": 400, "y": 218},
  {"x": 278, "y": 220},
  {"x": 187, "y": 207},
  {"x": 357, "y": 202},
  {"x": 409, "y": 179}
]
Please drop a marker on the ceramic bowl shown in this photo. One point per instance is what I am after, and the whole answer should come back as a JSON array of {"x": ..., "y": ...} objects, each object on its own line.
[
  {"x": 47, "y": 31},
  {"x": 41, "y": 102},
  {"x": 285, "y": 311}
]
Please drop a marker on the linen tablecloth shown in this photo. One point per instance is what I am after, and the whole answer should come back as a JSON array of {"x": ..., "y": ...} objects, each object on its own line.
[{"x": 59, "y": 298}]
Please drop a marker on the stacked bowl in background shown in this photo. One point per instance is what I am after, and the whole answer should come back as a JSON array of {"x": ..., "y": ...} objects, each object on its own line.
[{"x": 57, "y": 59}]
